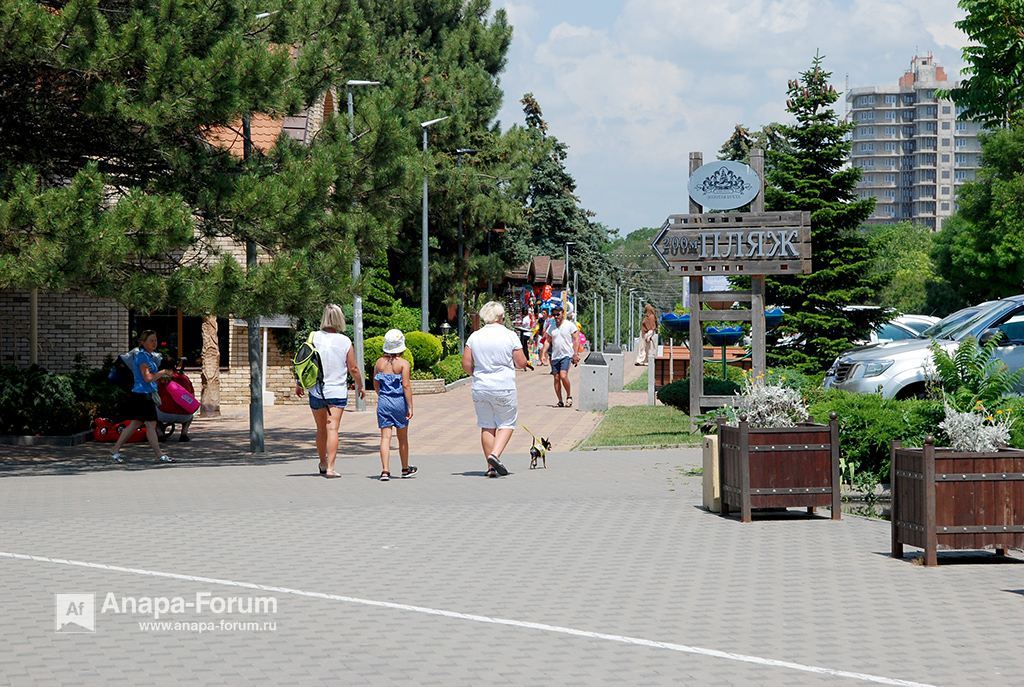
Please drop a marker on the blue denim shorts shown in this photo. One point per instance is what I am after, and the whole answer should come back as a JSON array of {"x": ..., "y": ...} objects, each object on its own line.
[
  {"x": 560, "y": 365},
  {"x": 317, "y": 403}
]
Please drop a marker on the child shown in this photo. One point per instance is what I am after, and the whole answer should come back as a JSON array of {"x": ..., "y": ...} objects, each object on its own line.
[{"x": 394, "y": 402}]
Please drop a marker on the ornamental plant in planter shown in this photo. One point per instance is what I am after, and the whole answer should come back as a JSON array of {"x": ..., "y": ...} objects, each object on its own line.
[
  {"x": 773, "y": 457},
  {"x": 971, "y": 494}
]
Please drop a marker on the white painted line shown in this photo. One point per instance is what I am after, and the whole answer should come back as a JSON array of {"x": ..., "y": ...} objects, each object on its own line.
[{"x": 543, "y": 627}]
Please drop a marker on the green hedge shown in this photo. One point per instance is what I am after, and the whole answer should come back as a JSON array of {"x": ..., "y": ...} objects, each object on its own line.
[
  {"x": 34, "y": 401},
  {"x": 426, "y": 348},
  {"x": 677, "y": 394},
  {"x": 868, "y": 422},
  {"x": 450, "y": 369}
]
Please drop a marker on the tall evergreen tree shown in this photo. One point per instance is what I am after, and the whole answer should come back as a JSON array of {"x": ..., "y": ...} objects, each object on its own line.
[
  {"x": 813, "y": 176},
  {"x": 554, "y": 215},
  {"x": 737, "y": 146}
]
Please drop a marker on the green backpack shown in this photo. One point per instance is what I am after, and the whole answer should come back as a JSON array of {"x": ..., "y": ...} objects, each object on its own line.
[{"x": 309, "y": 370}]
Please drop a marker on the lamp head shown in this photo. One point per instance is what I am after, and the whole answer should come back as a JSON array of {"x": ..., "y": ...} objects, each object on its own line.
[
  {"x": 361, "y": 82},
  {"x": 432, "y": 122}
]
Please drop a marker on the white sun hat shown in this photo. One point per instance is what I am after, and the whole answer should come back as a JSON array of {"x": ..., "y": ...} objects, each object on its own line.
[{"x": 394, "y": 341}]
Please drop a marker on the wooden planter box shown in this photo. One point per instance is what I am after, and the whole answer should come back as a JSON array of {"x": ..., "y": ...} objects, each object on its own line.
[
  {"x": 779, "y": 468},
  {"x": 945, "y": 499}
]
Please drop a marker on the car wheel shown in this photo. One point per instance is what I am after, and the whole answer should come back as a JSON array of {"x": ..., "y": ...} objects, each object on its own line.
[{"x": 918, "y": 390}]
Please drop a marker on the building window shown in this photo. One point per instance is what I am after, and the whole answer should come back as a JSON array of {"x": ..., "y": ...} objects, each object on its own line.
[
  {"x": 960, "y": 175},
  {"x": 168, "y": 323},
  {"x": 961, "y": 126},
  {"x": 945, "y": 174},
  {"x": 890, "y": 115},
  {"x": 945, "y": 190},
  {"x": 890, "y": 100},
  {"x": 890, "y": 146},
  {"x": 945, "y": 109},
  {"x": 961, "y": 142},
  {"x": 945, "y": 157},
  {"x": 945, "y": 143},
  {"x": 945, "y": 125}
]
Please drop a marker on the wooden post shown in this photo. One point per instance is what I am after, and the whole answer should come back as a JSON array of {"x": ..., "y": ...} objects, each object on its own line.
[
  {"x": 894, "y": 513},
  {"x": 931, "y": 544},
  {"x": 723, "y": 500},
  {"x": 744, "y": 461},
  {"x": 696, "y": 338},
  {"x": 758, "y": 328},
  {"x": 696, "y": 349},
  {"x": 33, "y": 327},
  {"x": 833, "y": 433}
]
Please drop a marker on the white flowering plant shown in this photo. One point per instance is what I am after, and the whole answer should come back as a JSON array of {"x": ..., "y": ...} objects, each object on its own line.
[
  {"x": 977, "y": 430},
  {"x": 767, "y": 404}
]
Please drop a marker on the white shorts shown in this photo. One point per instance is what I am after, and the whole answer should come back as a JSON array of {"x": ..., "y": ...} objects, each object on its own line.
[{"x": 496, "y": 409}]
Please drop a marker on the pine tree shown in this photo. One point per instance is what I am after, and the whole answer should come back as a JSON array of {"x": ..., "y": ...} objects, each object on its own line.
[
  {"x": 554, "y": 215},
  {"x": 813, "y": 176},
  {"x": 378, "y": 301},
  {"x": 737, "y": 146}
]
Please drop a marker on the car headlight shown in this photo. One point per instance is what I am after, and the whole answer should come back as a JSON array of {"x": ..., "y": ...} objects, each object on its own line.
[
  {"x": 832, "y": 370},
  {"x": 875, "y": 367}
]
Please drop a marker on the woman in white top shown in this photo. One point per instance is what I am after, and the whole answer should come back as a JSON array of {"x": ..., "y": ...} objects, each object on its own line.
[
  {"x": 328, "y": 401},
  {"x": 492, "y": 355}
]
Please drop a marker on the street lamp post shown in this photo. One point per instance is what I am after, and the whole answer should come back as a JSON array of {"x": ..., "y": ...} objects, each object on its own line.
[
  {"x": 256, "y": 437},
  {"x": 424, "y": 272},
  {"x": 574, "y": 298},
  {"x": 459, "y": 152},
  {"x": 357, "y": 298},
  {"x": 631, "y": 292}
]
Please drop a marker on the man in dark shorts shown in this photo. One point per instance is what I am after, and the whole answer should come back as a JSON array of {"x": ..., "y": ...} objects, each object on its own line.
[{"x": 561, "y": 341}]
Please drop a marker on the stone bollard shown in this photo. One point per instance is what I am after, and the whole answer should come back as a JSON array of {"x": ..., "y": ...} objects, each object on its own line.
[
  {"x": 615, "y": 358},
  {"x": 593, "y": 393},
  {"x": 711, "y": 484}
]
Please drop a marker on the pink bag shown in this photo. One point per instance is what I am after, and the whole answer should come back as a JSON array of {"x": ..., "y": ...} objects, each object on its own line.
[{"x": 182, "y": 397}]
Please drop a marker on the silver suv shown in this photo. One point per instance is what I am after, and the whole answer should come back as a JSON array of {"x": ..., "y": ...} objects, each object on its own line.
[{"x": 900, "y": 369}]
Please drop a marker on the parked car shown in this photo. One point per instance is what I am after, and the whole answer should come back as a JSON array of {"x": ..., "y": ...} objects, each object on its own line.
[
  {"x": 902, "y": 328},
  {"x": 900, "y": 369}
]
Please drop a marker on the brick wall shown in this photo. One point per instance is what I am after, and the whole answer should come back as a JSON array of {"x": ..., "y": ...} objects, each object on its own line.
[
  {"x": 234, "y": 382},
  {"x": 69, "y": 323}
]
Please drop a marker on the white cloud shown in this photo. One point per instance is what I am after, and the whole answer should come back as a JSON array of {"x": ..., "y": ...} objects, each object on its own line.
[{"x": 633, "y": 92}]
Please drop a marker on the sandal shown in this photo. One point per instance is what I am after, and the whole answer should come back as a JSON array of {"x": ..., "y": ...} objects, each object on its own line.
[
  {"x": 409, "y": 471},
  {"x": 384, "y": 476},
  {"x": 560, "y": 405},
  {"x": 568, "y": 402},
  {"x": 323, "y": 469},
  {"x": 332, "y": 475},
  {"x": 491, "y": 472},
  {"x": 497, "y": 465}
]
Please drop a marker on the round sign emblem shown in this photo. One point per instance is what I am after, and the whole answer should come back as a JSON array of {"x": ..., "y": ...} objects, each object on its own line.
[{"x": 724, "y": 185}]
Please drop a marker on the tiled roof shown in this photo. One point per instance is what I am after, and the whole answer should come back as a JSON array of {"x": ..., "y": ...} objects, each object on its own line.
[
  {"x": 541, "y": 270},
  {"x": 558, "y": 274},
  {"x": 263, "y": 128}
]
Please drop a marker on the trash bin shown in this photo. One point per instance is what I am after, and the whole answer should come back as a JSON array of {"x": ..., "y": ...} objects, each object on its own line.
[
  {"x": 615, "y": 358},
  {"x": 593, "y": 392}
]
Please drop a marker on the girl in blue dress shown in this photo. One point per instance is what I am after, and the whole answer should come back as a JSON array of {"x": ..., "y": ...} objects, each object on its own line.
[{"x": 394, "y": 402}]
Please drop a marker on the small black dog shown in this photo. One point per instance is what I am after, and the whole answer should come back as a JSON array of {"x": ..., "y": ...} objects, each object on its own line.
[{"x": 538, "y": 452}]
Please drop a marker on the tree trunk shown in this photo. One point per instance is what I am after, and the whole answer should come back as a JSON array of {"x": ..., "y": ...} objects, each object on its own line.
[{"x": 210, "y": 401}]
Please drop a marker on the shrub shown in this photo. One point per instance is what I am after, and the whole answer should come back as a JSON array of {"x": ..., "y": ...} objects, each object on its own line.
[
  {"x": 34, "y": 401},
  {"x": 403, "y": 318},
  {"x": 972, "y": 374},
  {"x": 426, "y": 348},
  {"x": 450, "y": 369},
  {"x": 714, "y": 370},
  {"x": 373, "y": 349},
  {"x": 868, "y": 422},
  {"x": 677, "y": 394},
  {"x": 421, "y": 374},
  {"x": 770, "y": 405}
]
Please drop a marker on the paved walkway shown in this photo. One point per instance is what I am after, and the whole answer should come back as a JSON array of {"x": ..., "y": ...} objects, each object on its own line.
[{"x": 601, "y": 570}]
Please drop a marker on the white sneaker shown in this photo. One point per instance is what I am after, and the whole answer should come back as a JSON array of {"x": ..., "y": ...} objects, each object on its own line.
[
  {"x": 118, "y": 457},
  {"x": 166, "y": 459}
]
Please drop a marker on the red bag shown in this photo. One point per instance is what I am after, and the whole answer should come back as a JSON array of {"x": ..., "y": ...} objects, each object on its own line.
[{"x": 104, "y": 430}]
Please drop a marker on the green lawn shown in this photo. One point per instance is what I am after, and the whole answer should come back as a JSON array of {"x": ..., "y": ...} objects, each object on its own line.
[
  {"x": 638, "y": 384},
  {"x": 651, "y": 426}
]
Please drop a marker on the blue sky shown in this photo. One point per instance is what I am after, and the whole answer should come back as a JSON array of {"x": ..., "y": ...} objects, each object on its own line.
[{"x": 632, "y": 86}]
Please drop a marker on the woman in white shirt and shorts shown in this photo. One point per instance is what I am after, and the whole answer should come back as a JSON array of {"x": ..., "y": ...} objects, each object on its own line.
[
  {"x": 492, "y": 355},
  {"x": 338, "y": 360}
]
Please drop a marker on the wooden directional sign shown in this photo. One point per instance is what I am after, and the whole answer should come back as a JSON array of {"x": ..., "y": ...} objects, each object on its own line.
[{"x": 730, "y": 243}]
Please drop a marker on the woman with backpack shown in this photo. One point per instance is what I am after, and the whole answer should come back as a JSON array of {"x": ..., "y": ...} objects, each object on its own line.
[
  {"x": 329, "y": 395},
  {"x": 140, "y": 407}
]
